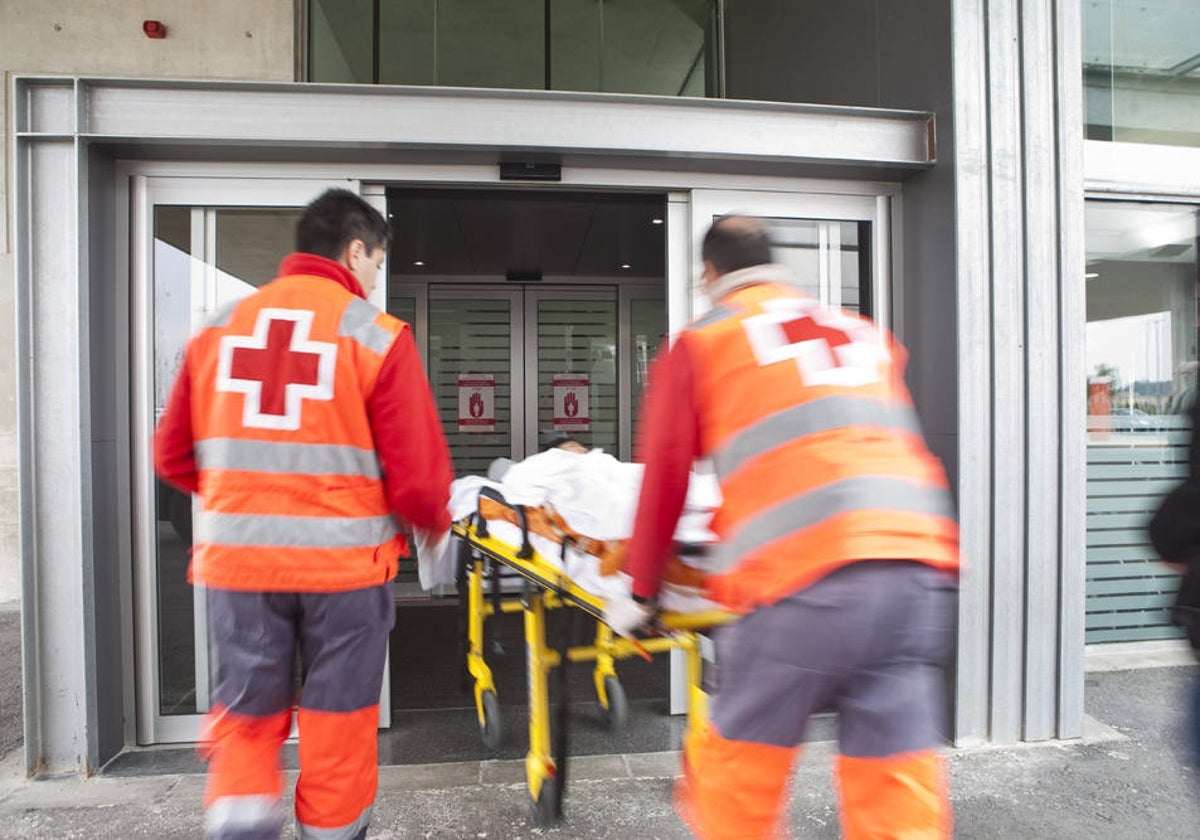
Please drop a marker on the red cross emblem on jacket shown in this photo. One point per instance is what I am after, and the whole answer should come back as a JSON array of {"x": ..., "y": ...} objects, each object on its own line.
[
  {"x": 829, "y": 347},
  {"x": 276, "y": 368}
]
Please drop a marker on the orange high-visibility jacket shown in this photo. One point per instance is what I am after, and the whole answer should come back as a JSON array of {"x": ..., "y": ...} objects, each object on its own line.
[
  {"x": 816, "y": 445},
  {"x": 289, "y": 480}
]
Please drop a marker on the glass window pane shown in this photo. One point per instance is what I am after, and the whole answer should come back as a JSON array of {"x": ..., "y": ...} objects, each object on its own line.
[
  {"x": 576, "y": 42},
  {"x": 404, "y": 308},
  {"x": 577, "y": 372},
  {"x": 633, "y": 46},
  {"x": 244, "y": 252},
  {"x": 173, "y": 509},
  {"x": 341, "y": 41},
  {"x": 1141, "y": 361},
  {"x": 666, "y": 47},
  {"x": 490, "y": 43},
  {"x": 829, "y": 260},
  {"x": 251, "y": 243},
  {"x": 1141, "y": 70},
  {"x": 647, "y": 331},
  {"x": 407, "y": 35},
  {"x": 469, "y": 341}
]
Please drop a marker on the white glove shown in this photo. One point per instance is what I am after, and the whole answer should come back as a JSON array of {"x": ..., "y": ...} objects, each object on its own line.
[
  {"x": 434, "y": 563},
  {"x": 626, "y": 615}
]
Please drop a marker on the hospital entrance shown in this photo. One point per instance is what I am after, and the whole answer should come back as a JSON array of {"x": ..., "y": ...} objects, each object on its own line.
[
  {"x": 537, "y": 310},
  {"x": 537, "y": 313}
]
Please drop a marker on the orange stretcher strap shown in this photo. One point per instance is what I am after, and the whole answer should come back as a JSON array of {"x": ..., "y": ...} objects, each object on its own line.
[{"x": 547, "y": 522}]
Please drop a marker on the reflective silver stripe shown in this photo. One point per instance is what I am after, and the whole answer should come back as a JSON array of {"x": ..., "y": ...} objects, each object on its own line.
[
  {"x": 222, "y": 315},
  {"x": 358, "y": 322},
  {"x": 717, "y": 313},
  {"x": 809, "y": 418},
  {"x": 271, "y": 457},
  {"x": 242, "y": 814},
  {"x": 850, "y": 494},
  {"x": 344, "y": 832},
  {"x": 294, "y": 531}
]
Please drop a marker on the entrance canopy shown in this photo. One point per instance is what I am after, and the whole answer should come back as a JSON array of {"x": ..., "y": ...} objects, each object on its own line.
[{"x": 305, "y": 118}]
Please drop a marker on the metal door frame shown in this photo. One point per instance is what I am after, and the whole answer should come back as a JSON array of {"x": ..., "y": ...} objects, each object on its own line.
[
  {"x": 215, "y": 129},
  {"x": 203, "y": 196},
  {"x": 687, "y": 215},
  {"x": 875, "y": 209}
]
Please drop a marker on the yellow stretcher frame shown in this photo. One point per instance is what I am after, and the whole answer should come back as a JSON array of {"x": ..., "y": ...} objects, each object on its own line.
[{"x": 552, "y": 589}]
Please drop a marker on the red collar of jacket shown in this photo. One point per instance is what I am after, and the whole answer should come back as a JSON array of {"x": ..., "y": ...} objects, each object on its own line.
[{"x": 315, "y": 266}]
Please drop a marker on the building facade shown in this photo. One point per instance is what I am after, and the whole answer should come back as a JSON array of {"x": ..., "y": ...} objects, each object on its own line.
[{"x": 1007, "y": 186}]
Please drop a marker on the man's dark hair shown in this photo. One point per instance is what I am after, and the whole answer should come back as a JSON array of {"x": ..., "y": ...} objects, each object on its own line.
[
  {"x": 559, "y": 441},
  {"x": 335, "y": 219},
  {"x": 735, "y": 242}
]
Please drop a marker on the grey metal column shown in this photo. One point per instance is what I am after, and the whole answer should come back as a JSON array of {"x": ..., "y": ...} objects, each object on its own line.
[
  {"x": 1018, "y": 101},
  {"x": 1072, "y": 305},
  {"x": 54, "y": 430}
]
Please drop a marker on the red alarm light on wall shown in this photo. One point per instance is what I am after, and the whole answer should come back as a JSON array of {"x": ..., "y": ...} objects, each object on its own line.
[{"x": 154, "y": 29}]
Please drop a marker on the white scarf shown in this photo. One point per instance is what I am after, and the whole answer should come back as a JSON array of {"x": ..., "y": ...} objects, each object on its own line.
[{"x": 749, "y": 276}]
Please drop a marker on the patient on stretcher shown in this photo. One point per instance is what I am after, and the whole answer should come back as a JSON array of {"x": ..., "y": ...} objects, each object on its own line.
[{"x": 590, "y": 497}]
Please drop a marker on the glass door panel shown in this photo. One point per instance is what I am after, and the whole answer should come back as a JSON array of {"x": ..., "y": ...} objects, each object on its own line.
[
  {"x": 574, "y": 365},
  {"x": 172, "y": 509},
  {"x": 204, "y": 258},
  {"x": 647, "y": 331},
  {"x": 826, "y": 259},
  {"x": 1143, "y": 296},
  {"x": 837, "y": 246},
  {"x": 198, "y": 244},
  {"x": 513, "y": 350},
  {"x": 473, "y": 364}
]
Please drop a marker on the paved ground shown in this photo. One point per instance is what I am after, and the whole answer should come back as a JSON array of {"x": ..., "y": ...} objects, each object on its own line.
[
  {"x": 10, "y": 677},
  {"x": 1125, "y": 780}
]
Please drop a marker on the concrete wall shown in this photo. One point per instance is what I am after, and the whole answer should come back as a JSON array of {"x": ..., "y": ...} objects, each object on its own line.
[{"x": 216, "y": 39}]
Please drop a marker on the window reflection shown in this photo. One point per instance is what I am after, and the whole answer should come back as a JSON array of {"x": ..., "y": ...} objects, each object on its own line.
[
  {"x": 828, "y": 259},
  {"x": 665, "y": 47},
  {"x": 1141, "y": 282},
  {"x": 203, "y": 259},
  {"x": 1141, "y": 69}
]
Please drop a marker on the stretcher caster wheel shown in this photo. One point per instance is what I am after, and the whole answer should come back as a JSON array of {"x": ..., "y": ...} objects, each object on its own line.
[
  {"x": 617, "y": 713},
  {"x": 490, "y": 730},
  {"x": 544, "y": 810}
]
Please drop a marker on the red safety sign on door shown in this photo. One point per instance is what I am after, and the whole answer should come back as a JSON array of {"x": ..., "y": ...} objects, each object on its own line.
[
  {"x": 571, "y": 402},
  {"x": 476, "y": 402}
]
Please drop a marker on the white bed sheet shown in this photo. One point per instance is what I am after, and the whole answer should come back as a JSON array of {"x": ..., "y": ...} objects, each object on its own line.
[{"x": 596, "y": 495}]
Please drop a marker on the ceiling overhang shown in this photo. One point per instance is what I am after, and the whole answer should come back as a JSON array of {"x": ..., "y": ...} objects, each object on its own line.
[{"x": 243, "y": 119}]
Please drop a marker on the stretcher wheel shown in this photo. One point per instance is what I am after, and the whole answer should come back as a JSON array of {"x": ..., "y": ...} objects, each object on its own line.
[
  {"x": 490, "y": 730},
  {"x": 545, "y": 808},
  {"x": 617, "y": 713}
]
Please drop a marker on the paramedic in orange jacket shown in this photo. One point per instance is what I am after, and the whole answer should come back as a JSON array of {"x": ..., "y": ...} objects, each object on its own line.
[
  {"x": 302, "y": 417},
  {"x": 837, "y": 545}
]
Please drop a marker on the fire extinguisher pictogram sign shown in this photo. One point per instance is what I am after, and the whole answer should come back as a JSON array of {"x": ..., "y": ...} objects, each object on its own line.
[
  {"x": 476, "y": 402},
  {"x": 571, "y": 402}
]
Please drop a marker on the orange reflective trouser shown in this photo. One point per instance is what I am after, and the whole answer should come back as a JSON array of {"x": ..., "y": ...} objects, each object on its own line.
[
  {"x": 868, "y": 642},
  {"x": 342, "y": 639}
]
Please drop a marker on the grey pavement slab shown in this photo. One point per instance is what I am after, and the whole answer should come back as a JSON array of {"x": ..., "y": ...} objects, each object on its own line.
[
  {"x": 11, "y": 702},
  {"x": 1127, "y": 779}
]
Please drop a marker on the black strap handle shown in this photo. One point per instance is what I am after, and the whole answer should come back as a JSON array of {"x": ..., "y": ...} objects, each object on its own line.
[{"x": 481, "y": 524}]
